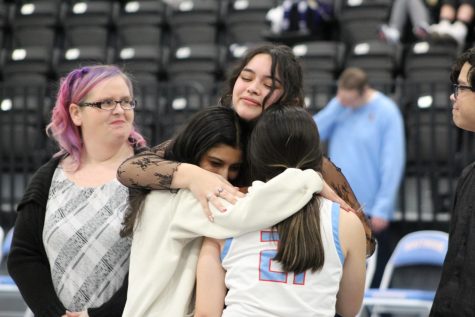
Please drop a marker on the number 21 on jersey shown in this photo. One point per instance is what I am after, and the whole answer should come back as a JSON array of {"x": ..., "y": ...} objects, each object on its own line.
[{"x": 269, "y": 270}]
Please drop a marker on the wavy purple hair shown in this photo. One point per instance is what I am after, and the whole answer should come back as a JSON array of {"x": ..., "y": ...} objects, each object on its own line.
[{"x": 74, "y": 87}]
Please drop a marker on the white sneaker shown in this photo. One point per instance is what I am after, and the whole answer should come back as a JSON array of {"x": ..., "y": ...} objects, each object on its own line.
[
  {"x": 458, "y": 31},
  {"x": 389, "y": 34},
  {"x": 442, "y": 28}
]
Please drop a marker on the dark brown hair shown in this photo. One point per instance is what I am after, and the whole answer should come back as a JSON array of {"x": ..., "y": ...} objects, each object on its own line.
[
  {"x": 353, "y": 78},
  {"x": 284, "y": 64},
  {"x": 286, "y": 137},
  {"x": 207, "y": 129},
  {"x": 466, "y": 57}
]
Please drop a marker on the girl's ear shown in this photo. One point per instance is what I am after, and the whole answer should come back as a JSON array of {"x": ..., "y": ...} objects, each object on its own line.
[{"x": 75, "y": 114}]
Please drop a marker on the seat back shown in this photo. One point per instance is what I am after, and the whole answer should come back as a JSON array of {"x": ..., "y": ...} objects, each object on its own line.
[
  {"x": 360, "y": 20},
  {"x": 36, "y": 13},
  {"x": 246, "y": 21},
  {"x": 7, "y": 242},
  {"x": 31, "y": 50},
  {"x": 419, "y": 253},
  {"x": 379, "y": 60},
  {"x": 371, "y": 267},
  {"x": 2, "y": 235},
  {"x": 143, "y": 12}
]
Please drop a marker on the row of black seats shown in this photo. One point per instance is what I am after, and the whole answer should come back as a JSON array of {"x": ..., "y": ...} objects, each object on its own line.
[
  {"x": 163, "y": 107},
  {"x": 436, "y": 149},
  {"x": 191, "y": 43},
  {"x": 118, "y": 13},
  {"x": 41, "y": 50},
  {"x": 426, "y": 77},
  {"x": 192, "y": 21}
]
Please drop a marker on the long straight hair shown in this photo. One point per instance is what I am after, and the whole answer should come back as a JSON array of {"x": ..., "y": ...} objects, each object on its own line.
[
  {"x": 210, "y": 127},
  {"x": 286, "y": 137},
  {"x": 206, "y": 129}
]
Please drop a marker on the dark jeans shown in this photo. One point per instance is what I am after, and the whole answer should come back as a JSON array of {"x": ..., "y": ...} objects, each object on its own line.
[{"x": 385, "y": 248}]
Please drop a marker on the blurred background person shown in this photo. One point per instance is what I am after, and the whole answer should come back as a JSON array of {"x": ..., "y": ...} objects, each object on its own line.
[
  {"x": 420, "y": 13},
  {"x": 455, "y": 20},
  {"x": 364, "y": 130}
]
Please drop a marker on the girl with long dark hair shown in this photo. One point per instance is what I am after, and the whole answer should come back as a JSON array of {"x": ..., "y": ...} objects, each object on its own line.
[{"x": 310, "y": 264}]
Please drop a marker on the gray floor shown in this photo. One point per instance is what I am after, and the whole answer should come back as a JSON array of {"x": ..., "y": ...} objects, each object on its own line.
[{"x": 11, "y": 302}]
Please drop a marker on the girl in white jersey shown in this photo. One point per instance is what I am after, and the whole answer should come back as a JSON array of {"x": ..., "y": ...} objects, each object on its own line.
[{"x": 310, "y": 264}]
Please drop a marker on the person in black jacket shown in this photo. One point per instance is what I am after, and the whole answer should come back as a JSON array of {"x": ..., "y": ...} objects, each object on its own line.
[
  {"x": 455, "y": 293},
  {"x": 67, "y": 257}
]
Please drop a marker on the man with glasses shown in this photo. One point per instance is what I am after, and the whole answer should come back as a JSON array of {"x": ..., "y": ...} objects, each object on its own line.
[{"x": 455, "y": 295}]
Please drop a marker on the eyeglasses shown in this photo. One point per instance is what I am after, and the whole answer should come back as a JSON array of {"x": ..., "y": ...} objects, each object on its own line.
[
  {"x": 458, "y": 87},
  {"x": 111, "y": 104}
]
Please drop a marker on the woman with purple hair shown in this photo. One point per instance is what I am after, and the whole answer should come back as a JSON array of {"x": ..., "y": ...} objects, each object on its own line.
[{"x": 67, "y": 257}]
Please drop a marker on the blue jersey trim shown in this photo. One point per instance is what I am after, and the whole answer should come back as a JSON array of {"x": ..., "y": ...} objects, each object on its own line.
[
  {"x": 227, "y": 245},
  {"x": 335, "y": 227}
]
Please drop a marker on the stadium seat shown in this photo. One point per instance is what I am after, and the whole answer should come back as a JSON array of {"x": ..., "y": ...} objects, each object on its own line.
[
  {"x": 31, "y": 51},
  {"x": 379, "y": 60},
  {"x": 84, "y": 45},
  {"x": 207, "y": 58},
  {"x": 24, "y": 95},
  {"x": 411, "y": 275},
  {"x": 321, "y": 62},
  {"x": 192, "y": 74},
  {"x": 189, "y": 34},
  {"x": 150, "y": 96},
  {"x": 182, "y": 100},
  {"x": 246, "y": 21},
  {"x": 429, "y": 56},
  {"x": 4, "y": 18},
  {"x": 7, "y": 242},
  {"x": 22, "y": 108},
  {"x": 40, "y": 13},
  {"x": 194, "y": 22},
  {"x": 433, "y": 159},
  {"x": 139, "y": 54},
  {"x": 371, "y": 267},
  {"x": 320, "y": 56},
  {"x": 143, "y": 12},
  {"x": 2, "y": 236},
  {"x": 90, "y": 13},
  {"x": 359, "y": 20},
  {"x": 426, "y": 69},
  {"x": 197, "y": 11},
  {"x": 22, "y": 138},
  {"x": 196, "y": 61}
]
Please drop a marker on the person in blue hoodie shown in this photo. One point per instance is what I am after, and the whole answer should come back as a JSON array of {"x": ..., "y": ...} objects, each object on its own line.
[{"x": 364, "y": 131}]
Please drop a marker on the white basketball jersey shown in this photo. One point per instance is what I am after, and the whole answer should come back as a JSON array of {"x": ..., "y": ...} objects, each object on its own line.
[{"x": 259, "y": 287}]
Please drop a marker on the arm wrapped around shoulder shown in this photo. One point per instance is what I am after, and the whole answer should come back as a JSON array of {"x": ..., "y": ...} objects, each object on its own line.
[
  {"x": 337, "y": 181},
  {"x": 271, "y": 202}
]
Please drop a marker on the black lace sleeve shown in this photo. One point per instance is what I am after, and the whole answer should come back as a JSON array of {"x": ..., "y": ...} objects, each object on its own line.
[
  {"x": 148, "y": 169},
  {"x": 336, "y": 180}
]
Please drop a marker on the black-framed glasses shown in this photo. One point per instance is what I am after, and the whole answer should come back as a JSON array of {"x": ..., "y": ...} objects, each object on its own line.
[
  {"x": 111, "y": 104},
  {"x": 457, "y": 88}
]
